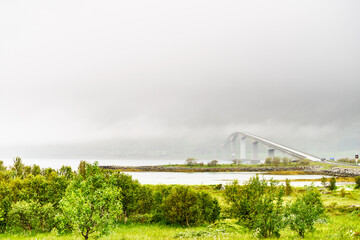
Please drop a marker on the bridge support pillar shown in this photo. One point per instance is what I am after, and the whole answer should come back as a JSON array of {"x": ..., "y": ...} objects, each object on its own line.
[
  {"x": 232, "y": 148},
  {"x": 271, "y": 153},
  {"x": 243, "y": 148},
  {"x": 255, "y": 151}
]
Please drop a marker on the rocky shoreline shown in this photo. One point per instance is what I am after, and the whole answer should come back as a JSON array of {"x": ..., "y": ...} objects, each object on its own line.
[{"x": 315, "y": 170}]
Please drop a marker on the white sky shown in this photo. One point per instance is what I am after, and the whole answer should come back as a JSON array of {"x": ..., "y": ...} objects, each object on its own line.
[{"x": 73, "y": 72}]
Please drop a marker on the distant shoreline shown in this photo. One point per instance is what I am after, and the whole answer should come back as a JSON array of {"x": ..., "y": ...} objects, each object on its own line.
[{"x": 281, "y": 170}]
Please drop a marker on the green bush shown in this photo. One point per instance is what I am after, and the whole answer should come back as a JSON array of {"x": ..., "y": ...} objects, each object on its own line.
[
  {"x": 276, "y": 161},
  {"x": 305, "y": 211},
  {"x": 257, "y": 205},
  {"x": 191, "y": 161},
  {"x": 304, "y": 162},
  {"x": 91, "y": 203},
  {"x": 286, "y": 160},
  {"x": 212, "y": 163},
  {"x": 288, "y": 188},
  {"x": 135, "y": 198},
  {"x": 268, "y": 161},
  {"x": 32, "y": 216},
  {"x": 187, "y": 207},
  {"x": 332, "y": 184},
  {"x": 357, "y": 181}
]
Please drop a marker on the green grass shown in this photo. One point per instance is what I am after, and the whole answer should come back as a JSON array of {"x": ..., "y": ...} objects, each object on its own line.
[{"x": 344, "y": 226}]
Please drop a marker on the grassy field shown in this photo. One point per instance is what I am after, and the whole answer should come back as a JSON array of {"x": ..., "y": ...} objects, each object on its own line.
[
  {"x": 342, "y": 222},
  {"x": 345, "y": 226}
]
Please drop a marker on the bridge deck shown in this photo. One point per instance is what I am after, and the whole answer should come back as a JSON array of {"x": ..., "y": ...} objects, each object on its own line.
[{"x": 274, "y": 145}]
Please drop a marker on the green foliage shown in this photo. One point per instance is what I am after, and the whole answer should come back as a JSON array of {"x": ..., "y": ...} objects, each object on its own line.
[
  {"x": 48, "y": 172},
  {"x": 268, "y": 161},
  {"x": 332, "y": 184},
  {"x": 288, "y": 188},
  {"x": 257, "y": 205},
  {"x": 304, "y": 162},
  {"x": 135, "y": 197},
  {"x": 305, "y": 211},
  {"x": 186, "y": 207},
  {"x": 276, "y": 161},
  {"x": 35, "y": 170},
  {"x": 18, "y": 167},
  {"x": 32, "y": 216},
  {"x": 5, "y": 204},
  {"x": 342, "y": 192},
  {"x": 66, "y": 171},
  {"x": 82, "y": 169},
  {"x": 2, "y": 167},
  {"x": 286, "y": 161},
  {"x": 91, "y": 203},
  {"x": 159, "y": 195},
  {"x": 357, "y": 181},
  {"x": 323, "y": 181}
]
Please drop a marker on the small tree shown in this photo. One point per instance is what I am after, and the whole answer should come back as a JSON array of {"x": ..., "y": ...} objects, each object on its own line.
[
  {"x": 288, "y": 188},
  {"x": 276, "y": 161},
  {"x": 213, "y": 163},
  {"x": 357, "y": 181},
  {"x": 257, "y": 205},
  {"x": 305, "y": 211},
  {"x": 286, "y": 160},
  {"x": 35, "y": 170},
  {"x": 236, "y": 161},
  {"x": 191, "y": 161},
  {"x": 268, "y": 161},
  {"x": 332, "y": 184},
  {"x": 90, "y": 203},
  {"x": 66, "y": 171},
  {"x": 323, "y": 182},
  {"x": 18, "y": 167}
]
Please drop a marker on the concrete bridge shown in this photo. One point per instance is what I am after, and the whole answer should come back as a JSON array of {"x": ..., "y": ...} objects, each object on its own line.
[{"x": 271, "y": 147}]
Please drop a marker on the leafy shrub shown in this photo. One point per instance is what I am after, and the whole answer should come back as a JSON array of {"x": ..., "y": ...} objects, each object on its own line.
[
  {"x": 191, "y": 161},
  {"x": 91, "y": 203},
  {"x": 276, "y": 161},
  {"x": 323, "y": 182},
  {"x": 32, "y": 216},
  {"x": 357, "y": 181},
  {"x": 236, "y": 161},
  {"x": 288, "y": 188},
  {"x": 332, "y": 184},
  {"x": 2, "y": 167},
  {"x": 212, "y": 163},
  {"x": 305, "y": 211},
  {"x": 185, "y": 206},
  {"x": 286, "y": 160},
  {"x": 132, "y": 194},
  {"x": 257, "y": 205},
  {"x": 268, "y": 161},
  {"x": 304, "y": 162}
]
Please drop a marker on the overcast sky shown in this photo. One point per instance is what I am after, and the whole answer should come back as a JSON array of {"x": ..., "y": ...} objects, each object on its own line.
[{"x": 81, "y": 72}]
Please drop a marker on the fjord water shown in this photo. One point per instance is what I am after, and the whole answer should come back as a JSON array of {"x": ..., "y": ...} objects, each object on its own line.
[{"x": 170, "y": 177}]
